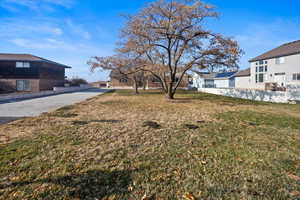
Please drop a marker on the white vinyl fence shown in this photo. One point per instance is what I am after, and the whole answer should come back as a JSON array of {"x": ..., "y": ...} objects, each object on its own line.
[{"x": 292, "y": 95}]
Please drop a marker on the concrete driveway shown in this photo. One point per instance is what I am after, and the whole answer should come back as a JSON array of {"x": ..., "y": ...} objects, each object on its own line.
[{"x": 34, "y": 107}]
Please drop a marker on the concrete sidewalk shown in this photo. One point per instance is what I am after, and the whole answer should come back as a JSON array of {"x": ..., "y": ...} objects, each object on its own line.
[{"x": 34, "y": 107}]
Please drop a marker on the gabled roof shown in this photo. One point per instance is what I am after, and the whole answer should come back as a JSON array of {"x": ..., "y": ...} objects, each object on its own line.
[
  {"x": 206, "y": 75},
  {"x": 287, "y": 49},
  {"x": 225, "y": 75},
  {"x": 27, "y": 57},
  {"x": 242, "y": 73}
]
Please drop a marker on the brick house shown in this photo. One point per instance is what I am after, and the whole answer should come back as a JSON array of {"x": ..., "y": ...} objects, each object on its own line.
[
  {"x": 25, "y": 72},
  {"x": 151, "y": 82}
]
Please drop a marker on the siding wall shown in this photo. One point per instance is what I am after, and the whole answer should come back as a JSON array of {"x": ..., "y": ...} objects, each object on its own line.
[
  {"x": 8, "y": 70},
  {"x": 115, "y": 83},
  {"x": 49, "y": 84},
  {"x": 51, "y": 71},
  {"x": 243, "y": 82},
  {"x": 11, "y": 84},
  {"x": 291, "y": 66},
  {"x": 41, "y": 75},
  {"x": 222, "y": 83}
]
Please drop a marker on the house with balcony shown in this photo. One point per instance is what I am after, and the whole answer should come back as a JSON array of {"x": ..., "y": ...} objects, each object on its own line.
[{"x": 277, "y": 68}]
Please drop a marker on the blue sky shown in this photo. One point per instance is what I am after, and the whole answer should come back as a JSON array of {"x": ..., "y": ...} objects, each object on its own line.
[{"x": 71, "y": 31}]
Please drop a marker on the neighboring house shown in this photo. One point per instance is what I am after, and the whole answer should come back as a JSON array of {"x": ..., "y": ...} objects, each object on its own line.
[
  {"x": 150, "y": 82},
  {"x": 203, "y": 80},
  {"x": 225, "y": 80},
  {"x": 243, "y": 79},
  {"x": 25, "y": 72},
  {"x": 278, "y": 67},
  {"x": 213, "y": 80},
  {"x": 118, "y": 80},
  {"x": 100, "y": 84}
]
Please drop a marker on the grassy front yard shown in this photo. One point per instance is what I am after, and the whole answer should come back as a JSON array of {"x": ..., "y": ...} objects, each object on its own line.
[{"x": 121, "y": 146}]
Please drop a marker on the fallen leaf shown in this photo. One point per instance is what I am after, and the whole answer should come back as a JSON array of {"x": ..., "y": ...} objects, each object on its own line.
[
  {"x": 145, "y": 197},
  {"x": 294, "y": 177},
  {"x": 130, "y": 188},
  {"x": 295, "y": 194},
  {"x": 189, "y": 196}
]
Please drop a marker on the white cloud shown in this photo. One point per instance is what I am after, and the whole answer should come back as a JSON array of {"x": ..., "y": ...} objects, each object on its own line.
[
  {"x": 15, "y": 27},
  {"x": 57, "y": 44},
  {"x": 48, "y": 43},
  {"x": 36, "y": 5},
  {"x": 57, "y": 31},
  {"x": 78, "y": 29}
]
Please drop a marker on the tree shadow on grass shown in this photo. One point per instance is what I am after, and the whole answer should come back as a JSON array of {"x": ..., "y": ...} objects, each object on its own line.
[{"x": 94, "y": 184}]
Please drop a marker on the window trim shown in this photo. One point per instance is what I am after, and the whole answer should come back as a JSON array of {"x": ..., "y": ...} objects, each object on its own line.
[
  {"x": 26, "y": 85},
  {"x": 280, "y": 60},
  {"x": 22, "y": 64},
  {"x": 123, "y": 80},
  {"x": 259, "y": 78},
  {"x": 296, "y": 77}
]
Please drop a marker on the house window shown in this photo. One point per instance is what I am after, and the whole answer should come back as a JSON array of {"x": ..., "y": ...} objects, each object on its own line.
[
  {"x": 261, "y": 62},
  {"x": 260, "y": 78},
  {"x": 23, "y": 85},
  {"x": 261, "y": 69},
  {"x": 256, "y": 69},
  {"x": 266, "y": 62},
  {"x": 296, "y": 77},
  {"x": 22, "y": 65},
  {"x": 280, "y": 60},
  {"x": 123, "y": 80},
  {"x": 266, "y": 68},
  {"x": 256, "y": 78}
]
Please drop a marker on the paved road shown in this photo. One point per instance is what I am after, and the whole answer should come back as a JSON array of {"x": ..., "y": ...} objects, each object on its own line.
[{"x": 34, "y": 107}]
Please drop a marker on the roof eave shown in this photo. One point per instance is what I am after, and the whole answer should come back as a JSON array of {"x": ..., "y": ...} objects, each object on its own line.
[
  {"x": 42, "y": 61},
  {"x": 243, "y": 75},
  {"x": 271, "y": 57}
]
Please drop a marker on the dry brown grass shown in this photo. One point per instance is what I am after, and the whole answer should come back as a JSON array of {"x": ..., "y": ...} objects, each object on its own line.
[{"x": 101, "y": 149}]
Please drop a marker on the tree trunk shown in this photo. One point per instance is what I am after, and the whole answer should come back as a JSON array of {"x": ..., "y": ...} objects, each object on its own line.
[
  {"x": 136, "y": 87},
  {"x": 171, "y": 93},
  {"x": 145, "y": 82}
]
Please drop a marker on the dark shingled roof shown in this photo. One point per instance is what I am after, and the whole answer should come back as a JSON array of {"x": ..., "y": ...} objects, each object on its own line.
[
  {"x": 27, "y": 57},
  {"x": 245, "y": 72},
  {"x": 287, "y": 49}
]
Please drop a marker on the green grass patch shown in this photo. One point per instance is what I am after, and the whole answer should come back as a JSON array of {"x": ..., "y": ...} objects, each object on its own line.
[{"x": 254, "y": 118}]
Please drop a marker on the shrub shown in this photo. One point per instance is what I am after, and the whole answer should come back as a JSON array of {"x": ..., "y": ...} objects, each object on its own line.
[{"x": 77, "y": 81}]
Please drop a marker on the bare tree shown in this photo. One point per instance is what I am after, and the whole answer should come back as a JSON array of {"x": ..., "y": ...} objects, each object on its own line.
[
  {"x": 172, "y": 37},
  {"x": 121, "y": 66}
]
